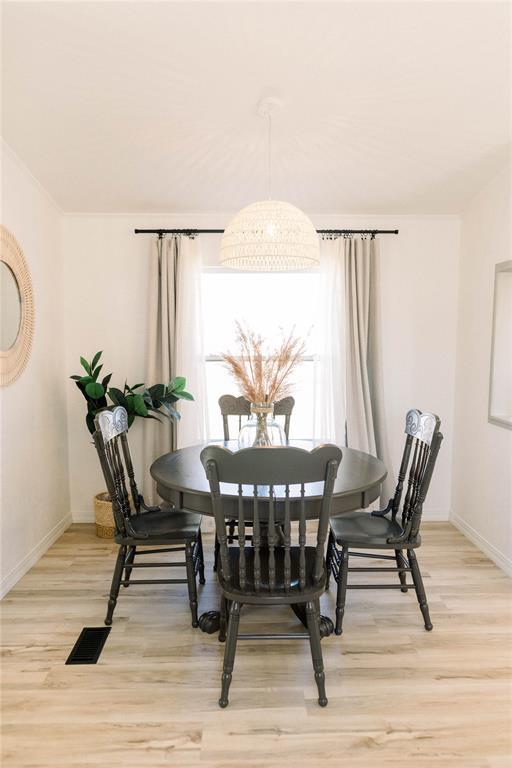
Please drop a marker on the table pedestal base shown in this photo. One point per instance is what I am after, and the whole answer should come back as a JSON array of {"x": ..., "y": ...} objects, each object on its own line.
[{"x": 209, "y": 622}]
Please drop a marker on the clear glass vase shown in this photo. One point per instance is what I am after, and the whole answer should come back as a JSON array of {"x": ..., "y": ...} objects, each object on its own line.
[{"x": 261, "y": 428}]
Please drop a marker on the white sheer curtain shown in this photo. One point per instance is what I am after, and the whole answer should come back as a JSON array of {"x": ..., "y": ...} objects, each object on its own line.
[
  {"x": 175, "y": 344},
  {"x": 329, "y": 365}
]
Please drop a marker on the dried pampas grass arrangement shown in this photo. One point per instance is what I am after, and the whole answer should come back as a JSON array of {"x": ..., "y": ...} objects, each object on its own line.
[{"x": 263, "y": 373}]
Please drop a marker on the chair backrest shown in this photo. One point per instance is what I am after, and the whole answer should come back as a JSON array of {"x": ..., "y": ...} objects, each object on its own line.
[
  {"x": 420, "y": 453},
  {"x": 239, "y": 406},
  {"x": 270, "y": 471},
  {"x": 110, "y": 439}
]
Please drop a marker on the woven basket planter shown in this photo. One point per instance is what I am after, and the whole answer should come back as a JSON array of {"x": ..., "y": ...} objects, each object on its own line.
[{"x": 105, "y": 526}]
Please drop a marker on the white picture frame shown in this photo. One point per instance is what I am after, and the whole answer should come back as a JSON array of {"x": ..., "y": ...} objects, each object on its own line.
[{"x": 500, "y": 379}]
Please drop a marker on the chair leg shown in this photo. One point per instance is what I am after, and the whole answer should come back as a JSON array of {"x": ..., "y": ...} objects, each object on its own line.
[
  {"x": 232, "y": 525},
  {"x": 116, "y": 583},
  {"x": 342, "y": 590},
  {"x": 216, "y": 554},
  {"x": 328, "y": 560},
  {"x": 223, "y": 619},
  {"x": 313, "y": 619},
  {"x": 200, "y": 554},
  {"x": 400, "y": 563},
  {"x": 128, "y": 571},
  {"x": 420, "y": 589},
  {"x": 229, "y": 652},
  {"x": 191, "y": 581}
]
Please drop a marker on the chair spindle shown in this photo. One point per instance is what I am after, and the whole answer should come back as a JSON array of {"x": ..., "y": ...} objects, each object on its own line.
[
  {"x": 401, "y": 477},
  {"x": 256, "y": 540},
  {"x": 287, "y": 531},
  {"x": 410, "y": 486},
  {"x": 271, "y": 535},
  {"x": 302, "y": 538},
  {"x": 131, "y": 473},
  {"x": 241, "y": 538}
]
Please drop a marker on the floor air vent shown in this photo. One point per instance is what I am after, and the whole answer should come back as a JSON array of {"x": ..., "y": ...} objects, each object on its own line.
[{"x": 89, "y": 645}]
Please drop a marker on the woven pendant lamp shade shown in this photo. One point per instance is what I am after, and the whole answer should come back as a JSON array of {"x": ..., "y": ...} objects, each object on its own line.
[{"x": 270, "y": 236}]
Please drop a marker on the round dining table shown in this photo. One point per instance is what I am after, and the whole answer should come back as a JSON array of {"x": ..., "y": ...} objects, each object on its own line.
[{"x": 180, "y": 479}]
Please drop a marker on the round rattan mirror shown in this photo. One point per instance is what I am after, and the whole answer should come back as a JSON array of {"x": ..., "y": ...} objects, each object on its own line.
[{"x": 17, "y": 309}]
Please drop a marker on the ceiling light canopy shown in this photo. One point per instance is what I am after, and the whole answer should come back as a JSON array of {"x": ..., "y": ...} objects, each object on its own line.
[{"x": 270, "y": 235}]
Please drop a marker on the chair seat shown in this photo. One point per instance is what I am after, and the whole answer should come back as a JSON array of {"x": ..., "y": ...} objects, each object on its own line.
[
  {"x": 361, "y": 529},
  {"x": 295, "y": 590},
  {"x": 164, "y": 525}
]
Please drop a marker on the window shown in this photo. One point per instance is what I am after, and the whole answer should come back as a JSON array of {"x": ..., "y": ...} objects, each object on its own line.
[{"x": 269, "y": 303}]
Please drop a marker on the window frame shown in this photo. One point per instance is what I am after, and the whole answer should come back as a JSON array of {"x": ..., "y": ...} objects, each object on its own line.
[{"x": 215, "y": 269}]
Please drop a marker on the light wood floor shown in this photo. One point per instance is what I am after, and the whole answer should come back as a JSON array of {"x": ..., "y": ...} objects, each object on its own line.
[{"x": 398, "y": 696}]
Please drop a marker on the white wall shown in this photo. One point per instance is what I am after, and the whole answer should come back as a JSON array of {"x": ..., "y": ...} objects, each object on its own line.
[
  {"x": 482, "y": 461},
  {"x": 34, "y": 459},
  {"x": 90, "y": 284},
  {"x": 106, "y": 279}
]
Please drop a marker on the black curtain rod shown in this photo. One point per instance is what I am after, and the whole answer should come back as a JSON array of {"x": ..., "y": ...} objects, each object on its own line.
[{"x": 193, "y": 232}]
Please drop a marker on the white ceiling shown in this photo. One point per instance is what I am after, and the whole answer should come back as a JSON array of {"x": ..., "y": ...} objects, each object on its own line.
[{"x": 151, "y": 107}]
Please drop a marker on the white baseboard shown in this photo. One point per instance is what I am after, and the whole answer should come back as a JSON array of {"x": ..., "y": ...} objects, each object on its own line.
[
  {"x": 33, "y": 556},
  {"x": 501, "y": 560}
]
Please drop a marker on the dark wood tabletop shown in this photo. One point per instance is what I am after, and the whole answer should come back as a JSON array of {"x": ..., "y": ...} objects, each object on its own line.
[{"x": 181, "y": 479}]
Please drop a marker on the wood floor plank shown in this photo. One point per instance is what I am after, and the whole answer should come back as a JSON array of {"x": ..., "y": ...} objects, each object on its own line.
[{"x": 398, "y": 696}]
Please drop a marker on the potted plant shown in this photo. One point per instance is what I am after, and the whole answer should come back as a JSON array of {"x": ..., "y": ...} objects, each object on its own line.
[{"x": 152, "y": 402}]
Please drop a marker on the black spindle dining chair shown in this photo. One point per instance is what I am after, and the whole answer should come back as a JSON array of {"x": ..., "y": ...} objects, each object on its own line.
[
  {"x": 381, "y": 530},
  {"x": 139, "y": 526},
  {"x": 267, "y": 569},
  {"x": 239, "y": 406}
]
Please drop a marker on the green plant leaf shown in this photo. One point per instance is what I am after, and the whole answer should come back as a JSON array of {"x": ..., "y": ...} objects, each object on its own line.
[
  {"x": 170, "y": 398},
  {"x": 131, "y": 418},
  {"x": 89, "y": 420},
  {"x": 81, "y": 387},
  {"x": 96, "y": 372},
  {"x": 94, "y": 390},
  {"x": 85, "y": 365},
  {"x": 75, "y": 378},
  {"x": 140, "y": 405},
  {"x": 117, "y": 396},
  {"x": 95, "y": 359},
  {"x": 129, "y": 403},
  {"x": 179, "y": 382},
  {"x": 137, "y": 386},
  {"x": 157, "y": 391},
  {"x": 85, "y": 379},
  {"x": 106, "y": 380},
  {"x": 148, "y": 399},
  {"x": 184, "y": 395}
]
